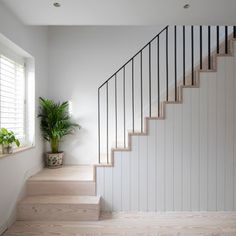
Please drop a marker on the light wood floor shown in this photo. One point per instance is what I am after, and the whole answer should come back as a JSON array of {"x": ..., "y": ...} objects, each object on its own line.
[{"x": 123, "y": 224}]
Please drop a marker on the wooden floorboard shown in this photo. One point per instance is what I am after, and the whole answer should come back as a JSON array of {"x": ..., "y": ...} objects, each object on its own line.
[{"x": 124, "y": 224}]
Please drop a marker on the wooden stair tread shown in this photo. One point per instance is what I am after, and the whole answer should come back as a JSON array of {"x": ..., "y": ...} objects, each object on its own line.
[
  {"x": 66, "y": 173},
  {"x": 56, "y": 199}
]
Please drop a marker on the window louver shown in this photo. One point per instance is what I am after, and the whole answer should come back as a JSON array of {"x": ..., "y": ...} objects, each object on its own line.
[{"x": 12, "y": 96}]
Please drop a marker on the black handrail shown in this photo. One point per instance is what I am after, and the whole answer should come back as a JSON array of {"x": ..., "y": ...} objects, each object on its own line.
[{"x": 133, "y": 56}]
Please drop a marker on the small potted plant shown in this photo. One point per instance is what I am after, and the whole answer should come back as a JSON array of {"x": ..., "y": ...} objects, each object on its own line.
[
  {"x": 55, "y": 124},
  {"x": 7, "y": 139}
]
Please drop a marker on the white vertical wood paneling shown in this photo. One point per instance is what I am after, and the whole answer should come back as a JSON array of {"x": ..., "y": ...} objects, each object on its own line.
[
  {"x": 143, "y": 172},
  {"x": 108, "y": 190},
  {"x": 187, "y": 161},
  {"x": 221, "y": 125},
  {"x": 160, "y": 167},
  {"x": 195, "y": 151},
  {"x": 229, "y": 172},
  {"x": 134, "y": 162},
  {"x": 203, "y": 142},
  {"x": 169, "y": 157},
  {"x": 211, "y": 171},
  {"x": 117, "y": 181},
  {"x": 152, "y": 166},
  {"x": 187, "y": 147},
  {"x": 178, "y": 157},
  {"x": 126, "y": 172},
  {"x": 100, "y": 174}
]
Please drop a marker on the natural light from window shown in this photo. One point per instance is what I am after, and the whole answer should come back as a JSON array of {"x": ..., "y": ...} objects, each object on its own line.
[
  {"x": 12, "y": 96},
  {"x": 17, "y": 92}
]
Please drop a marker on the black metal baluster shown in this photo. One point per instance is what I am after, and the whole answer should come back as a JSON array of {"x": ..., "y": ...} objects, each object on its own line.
[
  {"x": 99, "y": 129},
  {"x": 116, "y": 108},
  {"x": 167, "y": 69},
  {"x": 124, "y": 105},
  {"x": 217, "y": 39},
  {"x": 183, "y": 55},
  {"x": 192, "y": 54},
  {"x": 106, "y": 83},
  {"x": 107, "y": 123},
  {"x": 141, "y": 88},
  {"x": 200, "y": 47},
  {"x": 133, "y": 93},
  {"x": 234, "y": 28},
  {"x": 175, "y": 48},
  {"x": 226, "y": 39},
  {"x": 150, "y": 82},
  {"x": 158, "y": 76},
  {"x": 209, "y": 47}
]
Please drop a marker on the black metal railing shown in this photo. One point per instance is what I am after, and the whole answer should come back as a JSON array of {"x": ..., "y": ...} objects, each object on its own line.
[{"x": 152, "y": 76}]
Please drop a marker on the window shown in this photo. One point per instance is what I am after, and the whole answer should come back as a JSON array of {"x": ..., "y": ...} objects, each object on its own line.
[
  {"x": 17, "y": 91},
  {"x": 12, "y": 96}
]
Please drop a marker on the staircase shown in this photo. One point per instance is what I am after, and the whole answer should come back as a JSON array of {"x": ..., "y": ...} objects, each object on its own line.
[
  {"x": 184, "y": 65},
  {"x": 153, "y": 77},
  {"x": 65, "y": 194}
]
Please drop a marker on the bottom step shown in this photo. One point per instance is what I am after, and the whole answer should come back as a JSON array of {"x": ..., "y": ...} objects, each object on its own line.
[{"x": 59, "y": 208}]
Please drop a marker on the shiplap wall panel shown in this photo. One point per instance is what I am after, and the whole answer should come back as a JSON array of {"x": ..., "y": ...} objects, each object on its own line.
[
  {"x": 108, "y": 179},
  {"x": 143, "y": 171},
  {"x": 203, "y": 133},
  {"x": 195, "y": 150},
  {"x": 126, "y": 181},
  {"x": 221, "y": 144},
  {"x": 188, "y": 161},
  {"x": 229, "y": 134},
  {"x": 169, "y": 157},
  {"x": 178, "y": 157},
  {"x": 100, "y": 185},
  {"x": 117, "y": 181},
  {"x": 152, "y": 166},
  {"x": 211, "y": 142},
  {"x": 187, "y": 149},
  {"x": 160, "y": 182},
  {"x": 134, "y": 156}
]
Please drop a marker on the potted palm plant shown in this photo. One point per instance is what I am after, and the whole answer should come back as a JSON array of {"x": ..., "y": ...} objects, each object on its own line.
[
  {"x": 55, "y": 124},
  {"x": 7, "y": 139}
]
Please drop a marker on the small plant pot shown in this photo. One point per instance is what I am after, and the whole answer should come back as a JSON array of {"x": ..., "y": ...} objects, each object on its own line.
[
  {"x": 54, "y": 160},
  {"x": 7, "y": 149}
]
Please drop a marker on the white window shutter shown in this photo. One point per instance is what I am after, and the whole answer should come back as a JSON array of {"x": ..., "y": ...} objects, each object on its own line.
[{"x": 12, "y": 96}]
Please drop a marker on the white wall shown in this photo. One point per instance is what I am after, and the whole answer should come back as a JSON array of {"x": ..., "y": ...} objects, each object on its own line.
[
  {"x": 81, "y": 58},
  {"x": 14, "y": 170},
  {"x": 125, "y": 116},
  {"x": 187, "y": 162}
]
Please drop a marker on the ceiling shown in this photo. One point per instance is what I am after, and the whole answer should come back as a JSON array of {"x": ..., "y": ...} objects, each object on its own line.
[{"x": 123, "y": 12}]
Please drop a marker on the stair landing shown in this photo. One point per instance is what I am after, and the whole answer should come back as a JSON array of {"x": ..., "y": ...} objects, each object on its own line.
[
  {"x": 68, "y": 180},
  {"x": 66, "y": 173}
]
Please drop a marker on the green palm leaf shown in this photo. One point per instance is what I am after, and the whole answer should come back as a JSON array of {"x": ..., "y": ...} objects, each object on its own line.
[{"x": 55, "y": 121}]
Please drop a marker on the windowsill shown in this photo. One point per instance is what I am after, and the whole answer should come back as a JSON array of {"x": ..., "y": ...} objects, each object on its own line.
[{"x": 17, "y": 150}]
